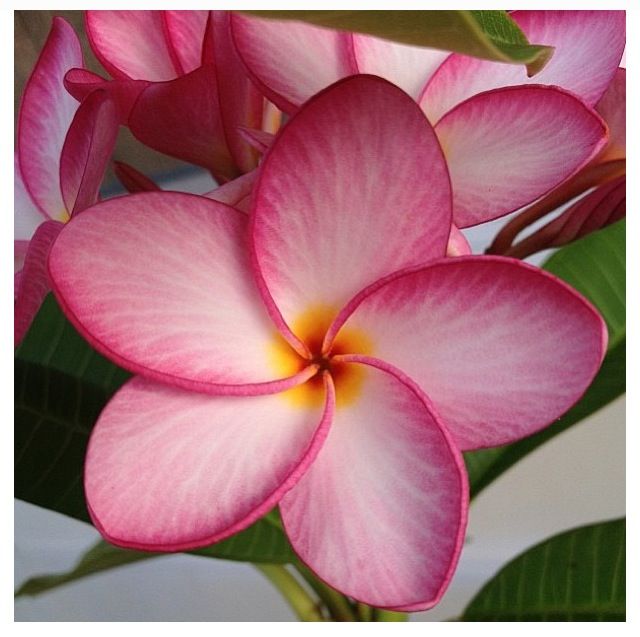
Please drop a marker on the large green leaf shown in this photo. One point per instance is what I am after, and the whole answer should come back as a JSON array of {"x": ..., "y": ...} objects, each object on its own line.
[
  {"x": 578, "y": 575},
  {"x": 491, "y": 35},
  {"x": 595, "y": 266},
  {"x": 61, "y": 385}
]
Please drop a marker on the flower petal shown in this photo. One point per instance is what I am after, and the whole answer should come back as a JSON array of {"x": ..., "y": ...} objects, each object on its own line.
[
  {"x": 27, "y": 216},
  {"x": 87, "y": 149},
  {"x": 161, "y": 284},
  {"x": 505, "y": 148},
  {"x": 131, "y": 44},
  {"x": 236, "y": 193},
  {"x": 170, "y": 470},
  {"x": 500, "y": 347},
  {"x": 613, "y": 108},
  {"x": 132, "y": 179},
  {"x": 346, "y": 195},
  {"x": 33, "y": 283},
  {"x": 46, "y": 112},
  {"x": 291, "y": 61},
  {"x": 185, "y": 31},
  {"x": 381, "y": 513},
  {"x": 588, "y": 47},
  {"x": 409, "y": 67}
]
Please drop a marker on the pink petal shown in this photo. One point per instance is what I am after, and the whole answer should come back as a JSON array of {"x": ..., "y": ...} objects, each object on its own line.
[
  {"x": 500, "y": 347},
  {"x": 185, "y": 33},
  {"x": 239, "y": 102},
  {"x": 87, "y": 150},
  {"x": 260, "y": 140},
  {"x": 131, "y": 44},
  {"x": 381, "y": 513},
  {"x": 613, "y": 108},
  {"x": 27, "y": 216},
  {"x": 161, "y": 284},
  {"x": 458, "y": 244},
  {"x": 20, "y": 247},
  {"x": 46, "y": 112},
  {"x": 80, "y": 83},
  {"x": 170, "y": 470},
  {"x": 346, "y": 195},
  {"x": 33, "y": 283},
  {"x": 588, "y": 47},
  {"x": 291, "y": 61},
  {"x": 236, "y": 193},
  {"x": 505, "y": 148},
  {"x": 409, "y": 67},
  {"x": 181, "y": 118},
  {"x": 132, "y": 179}
]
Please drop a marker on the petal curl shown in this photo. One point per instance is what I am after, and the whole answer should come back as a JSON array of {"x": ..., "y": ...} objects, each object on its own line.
[
  {"x": 381, "y": 513},
  {"x": 500, "y": 347},
  {"x": 346, "y": 195},
  {"x": 170, "y": 470},
  {"x": 161, "y": 284},
  {"x": 508, "y": 147},
  {"x": 46, "y": 112},
  {"x": 588, "y": 47}
]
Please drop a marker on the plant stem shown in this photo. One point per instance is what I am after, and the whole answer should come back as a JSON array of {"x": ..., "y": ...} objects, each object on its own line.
[
  {"x": 306, "y": 609},
  {"x": 365, "y": 612},
  {"x": 337, "y": 604},
  {"x": 380, "y": 615}
]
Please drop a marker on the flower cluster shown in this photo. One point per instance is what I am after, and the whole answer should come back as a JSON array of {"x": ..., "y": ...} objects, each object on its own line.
[{"x": 314, "y": 333}]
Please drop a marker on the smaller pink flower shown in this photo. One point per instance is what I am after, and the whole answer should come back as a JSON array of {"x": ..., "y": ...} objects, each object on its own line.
[{"x": 322, "y": 355}]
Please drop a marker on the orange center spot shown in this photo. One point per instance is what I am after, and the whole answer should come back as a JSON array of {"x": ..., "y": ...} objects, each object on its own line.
[{"x": 310, "y": 327}]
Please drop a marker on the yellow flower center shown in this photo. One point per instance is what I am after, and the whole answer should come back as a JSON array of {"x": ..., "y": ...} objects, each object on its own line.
[{"x": 310, "y": 327}]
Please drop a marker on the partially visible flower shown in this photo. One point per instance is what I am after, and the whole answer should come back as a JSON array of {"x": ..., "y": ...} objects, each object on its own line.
[
  {"x": 600, "y": 186},
  {"x": 63, "y": 151},
  {"x": 505, "y": 146},
  {"x": 179, "y": 83},
  {"x": 321, "y": 354}
]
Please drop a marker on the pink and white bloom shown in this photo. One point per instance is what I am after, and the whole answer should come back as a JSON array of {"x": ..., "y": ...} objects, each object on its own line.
[
  {"x": 63, "y": 151},
  {"x": 321, "y": 354},
  {"x": 505, "y": 146},
  {"x": 180, "y": 86}
]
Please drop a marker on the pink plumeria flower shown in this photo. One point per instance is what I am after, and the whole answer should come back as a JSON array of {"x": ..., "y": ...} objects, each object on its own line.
[
  {"x": 63, "y": 151},
  {"x": 321, "y": 355},
  {"x": 507, "y": 139},
  {"x": 181, "y": 88}
]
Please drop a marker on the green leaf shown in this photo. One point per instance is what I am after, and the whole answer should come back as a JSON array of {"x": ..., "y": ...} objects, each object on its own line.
[
  {"x": 578, "y": 575},
  {"x": 491, "y": 35},
  {"x": 595, "y": 266},
  {"x": 61, "y": 385}
]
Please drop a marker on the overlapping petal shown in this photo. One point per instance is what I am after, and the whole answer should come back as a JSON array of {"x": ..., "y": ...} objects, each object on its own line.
[
  {"x": 160, "y": 283},
  {"x": 291, "y": 61},
  {"x": 501, "y": 348},
  {"x": 27, "y": 216},
  {"x": 613, "y": 108},
  {"x": 409, "y": 67},
  {"x": 132, "y": 179},
  {"x": 131, "y": 44},
  {"x": 185, "y": 33},
  {"x": 588, "y": 47},
  {"x": 169, "y": 470},
  {"x": 381, "y": 513},
  {"x": 87, "y": 150},
  {"x": 46, "y": 112},
  {"x": 346, "y": 195},
  {"x": 505, "y": 148}
]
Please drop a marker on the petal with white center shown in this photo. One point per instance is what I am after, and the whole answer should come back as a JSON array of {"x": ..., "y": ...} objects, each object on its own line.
[
  {"x": 170, "y": 470},
  {"x": 380, "y": 514},
  {"x": 500, "y": 347},
  {"x": 160, "y": 283}
]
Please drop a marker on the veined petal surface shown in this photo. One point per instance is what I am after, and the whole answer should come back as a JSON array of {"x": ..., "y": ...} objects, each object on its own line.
[
  {"x": 131, "y": 44},
  {"x": 505, "y": 148},
  {"x": 169, "y": 469},
  {"x": 46, "y": 112},
  {"x": 161, "y": 284},
  {"x": 588, "y": 47},
  {"x": 380, "y": 514},
  {"x": 291, "y": 61},
  {"x": 409, "y": 67},
  {"x": 185, "y": 34},
  {"x": 500, "y": 347},
  {"x": 87, "y": 150},
  {"x": 348, "y": 194}
]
